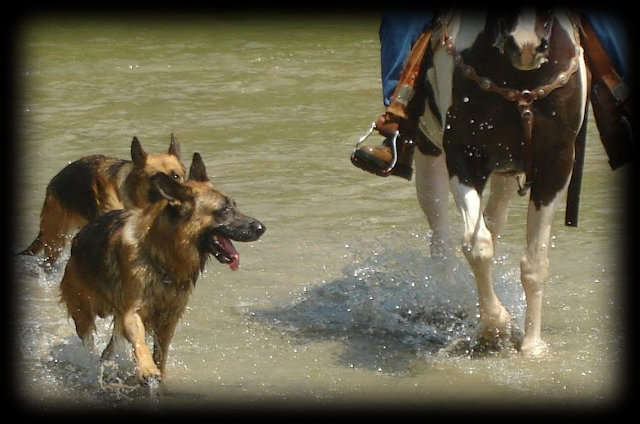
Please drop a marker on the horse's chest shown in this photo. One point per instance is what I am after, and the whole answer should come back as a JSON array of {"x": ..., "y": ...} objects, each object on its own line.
[{"x": 484, "y": 125}]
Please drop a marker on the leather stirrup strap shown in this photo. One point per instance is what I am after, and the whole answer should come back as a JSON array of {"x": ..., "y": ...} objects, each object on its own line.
[
  {"x": 405, "y": 88},
  {"x": 601, "y": 66}
]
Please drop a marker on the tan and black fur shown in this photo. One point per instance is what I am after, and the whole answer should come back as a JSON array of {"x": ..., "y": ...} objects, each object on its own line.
[
  {"x": 141, "y": 265},
  {"x": 94, "y": 185}
]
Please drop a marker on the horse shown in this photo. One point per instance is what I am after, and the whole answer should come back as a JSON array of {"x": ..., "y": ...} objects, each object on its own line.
[{"x": 506, "y": 96}]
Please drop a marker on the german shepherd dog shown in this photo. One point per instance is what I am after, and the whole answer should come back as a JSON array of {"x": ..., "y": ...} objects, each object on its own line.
[
  {"x": 94, "y": 185},
  {"x": 140, "y": 265}
]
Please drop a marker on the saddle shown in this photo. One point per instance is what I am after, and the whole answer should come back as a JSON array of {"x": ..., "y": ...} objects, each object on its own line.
[{"x": 611, "y": 101}]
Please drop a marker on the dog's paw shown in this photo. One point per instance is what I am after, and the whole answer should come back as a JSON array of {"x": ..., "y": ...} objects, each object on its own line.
[
  {"x": 149, "y": 376},
  {"x": 153, "y": 382}
]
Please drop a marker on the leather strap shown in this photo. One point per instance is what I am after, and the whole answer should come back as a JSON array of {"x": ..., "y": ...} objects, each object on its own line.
[
  {"x": 404, "y": 90},
  {"x": 522, "y": 98},
  {"x": 602, "y": 67}
]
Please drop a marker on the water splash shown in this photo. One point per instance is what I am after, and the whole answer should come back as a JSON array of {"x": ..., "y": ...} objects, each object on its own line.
[
  {"x": 55, "y": 367},
  {"x": 403, "y": 300}
]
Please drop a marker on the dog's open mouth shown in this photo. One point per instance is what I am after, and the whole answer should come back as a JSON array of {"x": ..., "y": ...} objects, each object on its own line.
[{"x": 223, "y": 250}]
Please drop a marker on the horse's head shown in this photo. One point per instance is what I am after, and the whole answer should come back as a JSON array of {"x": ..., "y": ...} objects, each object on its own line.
[{"x": 523, "y": 36}]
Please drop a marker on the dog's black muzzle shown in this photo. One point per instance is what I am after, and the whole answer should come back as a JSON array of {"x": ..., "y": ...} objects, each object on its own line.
[{"x": 242, "y": 229}]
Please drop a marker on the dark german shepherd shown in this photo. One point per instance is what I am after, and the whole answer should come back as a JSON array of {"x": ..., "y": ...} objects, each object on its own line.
[
  {"x": 140, "y": 265},
  {"x": 94, "y": 185}
]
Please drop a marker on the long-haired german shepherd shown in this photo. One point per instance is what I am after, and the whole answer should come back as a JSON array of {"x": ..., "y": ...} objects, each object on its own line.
[
  {"x": 94, "y": 185},
  {"x": 140, "y": 265}
]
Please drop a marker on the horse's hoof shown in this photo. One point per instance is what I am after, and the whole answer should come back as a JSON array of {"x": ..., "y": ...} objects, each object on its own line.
[
  {"x": 533, "y": 349},
  {"x": 496, "y": 326},
  {"x": 504, "y": 335}
]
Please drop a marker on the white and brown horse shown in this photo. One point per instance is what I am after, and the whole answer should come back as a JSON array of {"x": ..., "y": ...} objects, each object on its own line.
[{"x": 506, "y": 98}]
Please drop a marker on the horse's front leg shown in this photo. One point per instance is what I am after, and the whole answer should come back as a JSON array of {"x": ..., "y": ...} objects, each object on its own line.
[
  {"x": 503, "y": 188},
  {"x": 477, "y": 245},
  {"x": 534, "y": 270}
]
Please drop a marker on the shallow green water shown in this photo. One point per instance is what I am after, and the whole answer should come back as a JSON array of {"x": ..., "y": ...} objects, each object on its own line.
[{"x": 338, "y": 302}]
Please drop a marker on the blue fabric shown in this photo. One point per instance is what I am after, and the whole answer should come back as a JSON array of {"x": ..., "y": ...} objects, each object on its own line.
[
  {"x": 398, "y": 31},
  {"x": 611, "y": 29}
]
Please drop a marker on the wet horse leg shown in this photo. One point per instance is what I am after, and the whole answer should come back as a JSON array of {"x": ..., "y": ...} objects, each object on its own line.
[
  {"x": 477, "y": 245},
  {"x": 534, "y": 270},
  {"x": 433, "y": 195},
  {"x": 495, "y": 214}
]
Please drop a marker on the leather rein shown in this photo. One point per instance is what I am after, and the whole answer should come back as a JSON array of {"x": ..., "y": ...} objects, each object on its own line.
[{"x": 523, "y": 99}]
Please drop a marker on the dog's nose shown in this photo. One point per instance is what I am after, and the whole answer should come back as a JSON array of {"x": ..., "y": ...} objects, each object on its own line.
[{"x": 258, "y": 228}]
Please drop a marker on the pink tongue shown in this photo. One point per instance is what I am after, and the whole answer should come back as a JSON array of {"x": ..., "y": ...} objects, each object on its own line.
[
  {"x": 235, "y": 263},
  {"x": 230, "y": 251}
]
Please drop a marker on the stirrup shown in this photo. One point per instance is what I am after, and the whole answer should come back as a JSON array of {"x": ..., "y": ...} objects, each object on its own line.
[{"x": 394, "y": 150}]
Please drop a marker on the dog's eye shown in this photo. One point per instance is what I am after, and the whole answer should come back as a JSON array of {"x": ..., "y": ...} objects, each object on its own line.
[
  {"x": 222, "y": 213},
  {"x": 175, "y": 176}
]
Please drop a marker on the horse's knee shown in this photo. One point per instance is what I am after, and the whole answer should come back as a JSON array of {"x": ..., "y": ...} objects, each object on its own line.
[
  {"x": 478, "y": 249},
  {"x": 534, "y": 270}
]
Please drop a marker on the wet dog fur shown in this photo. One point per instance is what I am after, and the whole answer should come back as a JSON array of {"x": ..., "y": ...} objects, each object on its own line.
[
  {"x": 141, "y": 265},
  {"x": 94, "y": 185}
]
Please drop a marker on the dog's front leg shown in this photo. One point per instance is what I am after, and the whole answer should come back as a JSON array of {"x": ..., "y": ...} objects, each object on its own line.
[
  {"x": 134, "y": 332},
  {"x": 163, "y": 336},
  {"x": 114, "y": 342}
]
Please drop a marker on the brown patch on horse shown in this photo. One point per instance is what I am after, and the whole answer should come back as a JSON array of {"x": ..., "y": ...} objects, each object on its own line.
[{"x": 486, "y": 133}]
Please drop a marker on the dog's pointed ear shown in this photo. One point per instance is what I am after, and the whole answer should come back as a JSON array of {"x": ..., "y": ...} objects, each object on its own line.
[
  {"x": 174, "y": 146},
  {"x": 170, "y": 189},
  {"x": 198, "y": 172},
  {"x": 138, "y": 155}
]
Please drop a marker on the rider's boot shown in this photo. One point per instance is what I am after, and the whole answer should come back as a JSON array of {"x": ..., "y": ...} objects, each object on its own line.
[
  {"x": 386, "y": 159},
  {"x": 399, "y": 123}
]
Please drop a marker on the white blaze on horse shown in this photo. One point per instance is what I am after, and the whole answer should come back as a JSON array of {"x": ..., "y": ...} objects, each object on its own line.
[{"x": 506, "y": 98}]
